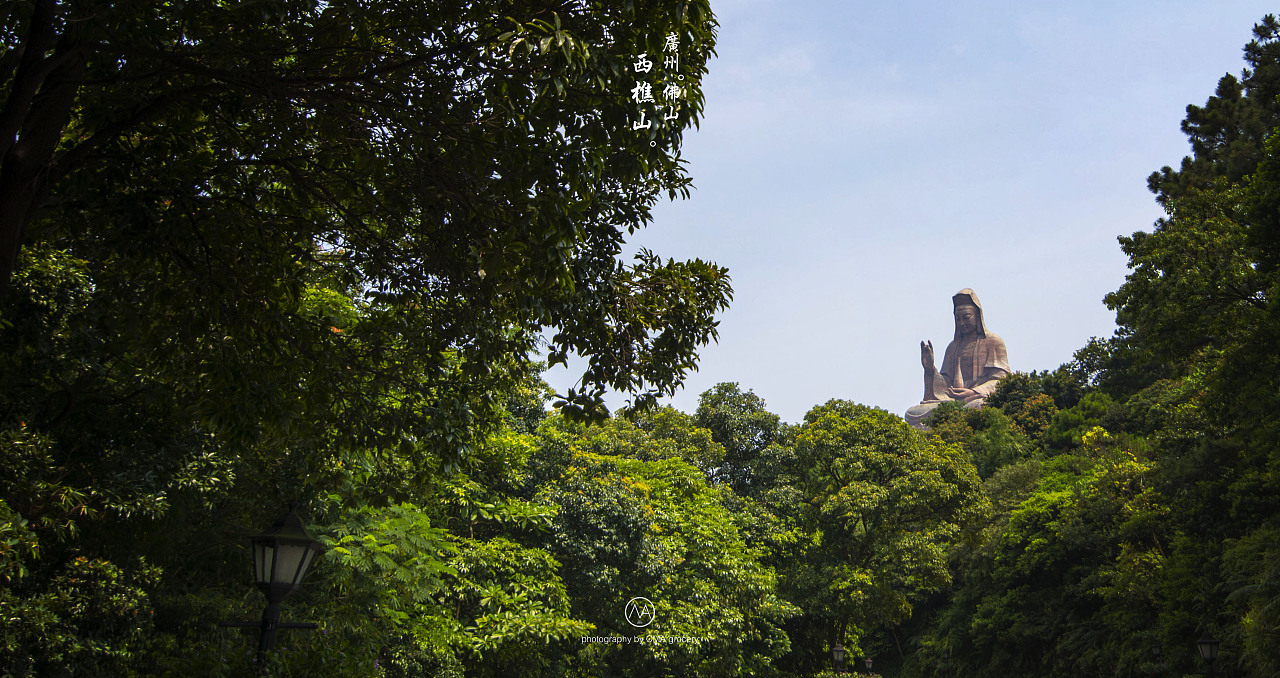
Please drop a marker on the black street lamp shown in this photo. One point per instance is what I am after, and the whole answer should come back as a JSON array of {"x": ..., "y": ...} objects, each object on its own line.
[
  {"x": 1208, "y": 647},
  {"x": 281, "y": 557},
  {"x": 837, "y": 655},
  {"x": 868, "y": 663}
]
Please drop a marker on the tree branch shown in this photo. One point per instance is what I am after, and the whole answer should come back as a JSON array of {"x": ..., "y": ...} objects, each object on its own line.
[
  {"x": 30, "y": 75},
  {"x": 27, "y": 156}
]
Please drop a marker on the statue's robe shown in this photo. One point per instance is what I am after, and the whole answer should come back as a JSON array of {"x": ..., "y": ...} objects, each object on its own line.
[{"x": 978, "y": 365}]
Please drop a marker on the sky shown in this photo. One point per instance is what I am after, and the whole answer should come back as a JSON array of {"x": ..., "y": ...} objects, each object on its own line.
[{"x": 859, "y": 163}]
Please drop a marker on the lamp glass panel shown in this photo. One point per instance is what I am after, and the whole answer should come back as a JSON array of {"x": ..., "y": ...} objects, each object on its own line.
[
  {"x": 264, "y": 555},
  {"x": 306, "y": 561},
  {"x": 287, "y": 568}
]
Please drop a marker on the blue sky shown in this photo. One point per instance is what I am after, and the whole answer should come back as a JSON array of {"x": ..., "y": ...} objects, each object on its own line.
[{"x": 858, "y": 163}]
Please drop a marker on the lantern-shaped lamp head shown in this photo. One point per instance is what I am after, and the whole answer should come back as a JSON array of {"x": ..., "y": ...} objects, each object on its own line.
[
  {"x": 281, "y": 556},
  {"x": 837, "y": 655},
  {"x": 1208, "y": 647},
  {"x": 868, "y": 663}
]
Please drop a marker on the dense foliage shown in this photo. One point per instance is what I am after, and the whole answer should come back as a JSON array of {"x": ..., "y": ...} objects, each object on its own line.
[
  {"x": 262, "y": 252},
  {"x": 1142, "y": 511}
]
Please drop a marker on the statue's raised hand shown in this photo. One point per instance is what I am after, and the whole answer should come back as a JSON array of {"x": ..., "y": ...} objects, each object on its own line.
[{"x": 926, "y": 355}]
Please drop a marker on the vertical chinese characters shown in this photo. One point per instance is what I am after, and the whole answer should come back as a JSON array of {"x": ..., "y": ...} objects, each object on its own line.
[
  {"x": 670, "y": 94},
  {"x": 672, "y": 48}
]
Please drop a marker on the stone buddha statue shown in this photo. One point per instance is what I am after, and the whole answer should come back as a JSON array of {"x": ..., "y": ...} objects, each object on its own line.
[{"x": 975, "y": 361}]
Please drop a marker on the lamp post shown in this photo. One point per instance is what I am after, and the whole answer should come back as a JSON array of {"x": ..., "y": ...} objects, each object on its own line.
[
  {"x": 837, "y": 656},
  {"x": 281, "y": 557},
  {"x": 868, "y": 663},
  {"x": 1156, "y": 649},
  {"x": 1208, "y": 647}
]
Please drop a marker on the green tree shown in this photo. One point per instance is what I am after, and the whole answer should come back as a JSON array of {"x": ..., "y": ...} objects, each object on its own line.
[
  {"x": 257, "y": 252},
  {"x": 990, "y": 438},
  {"x": 1067, "y": 578},
  {"x": 739, "y": 422},
  {"x": 460, "y": 166},
  {"x": 1153, "y": 505},
  {"x": 634, "y": 519},
  {"x": 1226, "y": 134},
  {"x": 882, "y": 505}
]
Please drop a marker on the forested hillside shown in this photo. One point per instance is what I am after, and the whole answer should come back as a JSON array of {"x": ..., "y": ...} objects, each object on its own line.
[
  {"x": 1135, "y": 493},
  {"x": 319, "y": 253}
]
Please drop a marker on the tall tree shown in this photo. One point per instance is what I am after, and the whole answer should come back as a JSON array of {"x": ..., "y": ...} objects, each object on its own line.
[
  {"x": 739, "y": 422},
  {"x": 882, "y": 505},
  {"x": 258, "y": 251},
  {"x": 634, "y": 519},
  {"x": 475, "y": 162},
  {"x": 1226, "y": 134},
  {"x": 1154, "y": 513}
]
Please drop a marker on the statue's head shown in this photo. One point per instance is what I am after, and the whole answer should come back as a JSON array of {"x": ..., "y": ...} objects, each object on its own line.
[
  {"x": 968, "y": 312},
  {"x": 966, "y": 320}
]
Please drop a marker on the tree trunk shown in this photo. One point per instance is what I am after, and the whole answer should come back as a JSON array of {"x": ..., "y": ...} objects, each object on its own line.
[{"x": 31, "y": 124}]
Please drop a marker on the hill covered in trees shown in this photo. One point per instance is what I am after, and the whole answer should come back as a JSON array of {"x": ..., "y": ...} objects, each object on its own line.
[{"x": 299, "y": 252}]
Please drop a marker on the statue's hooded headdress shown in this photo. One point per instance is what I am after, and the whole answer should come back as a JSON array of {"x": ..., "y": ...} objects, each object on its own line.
[{"x": 967, "y": 297}]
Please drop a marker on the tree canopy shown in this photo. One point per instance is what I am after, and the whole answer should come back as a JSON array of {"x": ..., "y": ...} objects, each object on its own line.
[
  {"x": 1141, "y": 510},
  {"x": 298, "y": 250},
  {"x": 260, "y": 252},
  {"x": 465, "y": 169}
]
